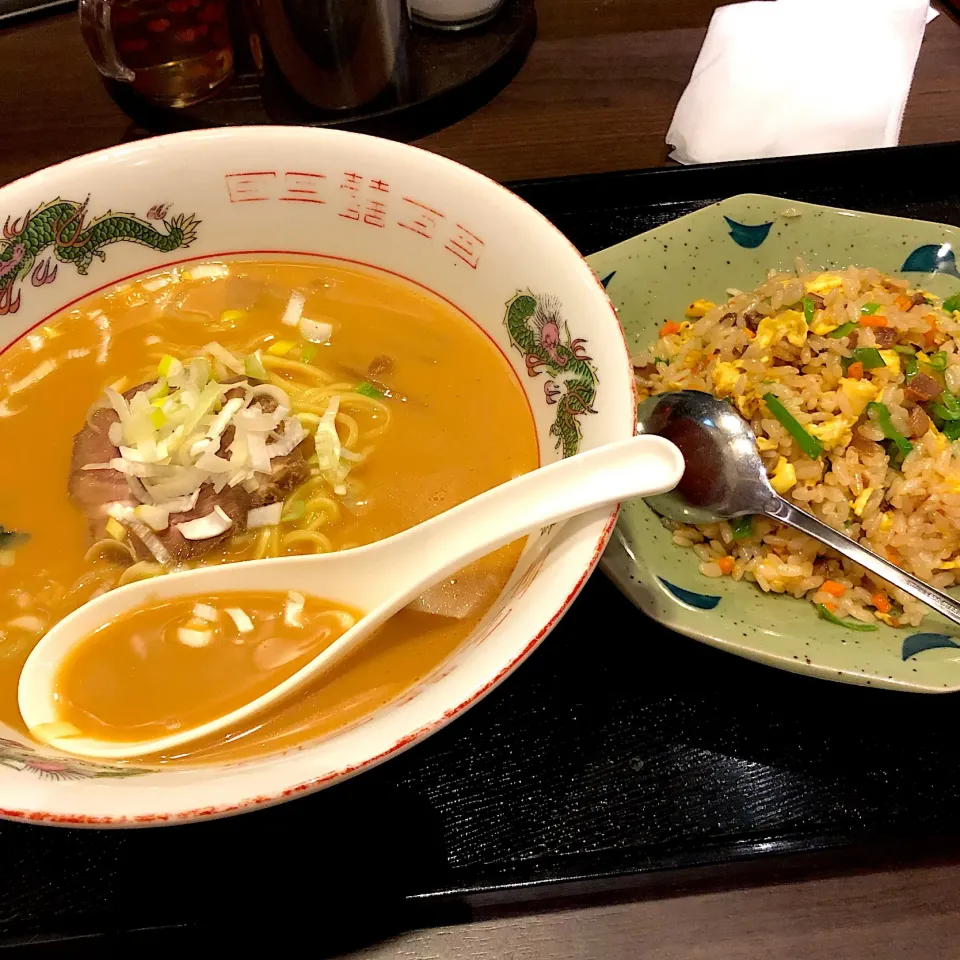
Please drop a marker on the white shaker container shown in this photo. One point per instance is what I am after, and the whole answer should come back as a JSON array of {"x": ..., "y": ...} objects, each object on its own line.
[{"x": 453, "y": 14}]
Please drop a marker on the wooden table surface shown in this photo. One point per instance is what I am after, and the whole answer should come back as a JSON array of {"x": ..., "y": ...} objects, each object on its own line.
[
  {"x": 596, "y": 94},
  {"x": 903, "y": 914}
]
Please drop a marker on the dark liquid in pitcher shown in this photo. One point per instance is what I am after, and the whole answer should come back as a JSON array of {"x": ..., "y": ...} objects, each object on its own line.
[{"x": 179, "y": 50}]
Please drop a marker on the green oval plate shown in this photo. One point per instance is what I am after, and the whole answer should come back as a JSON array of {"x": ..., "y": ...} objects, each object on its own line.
[{"x": 650, "y": 279}]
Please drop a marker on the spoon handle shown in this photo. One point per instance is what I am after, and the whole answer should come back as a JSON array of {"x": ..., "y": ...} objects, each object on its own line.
[
  {"x": 410, "y": 562},
  {"x": 801, "y": 520},
  {"x": 592, "y": 480}
]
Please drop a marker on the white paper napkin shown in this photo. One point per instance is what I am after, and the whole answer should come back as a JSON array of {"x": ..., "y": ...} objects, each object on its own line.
[{"x": 783, "y": 77}]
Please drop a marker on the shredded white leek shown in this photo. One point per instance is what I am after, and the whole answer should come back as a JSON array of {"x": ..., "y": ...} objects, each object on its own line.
[
  {"x": 241, "y": 619},
  {"x": 230, "y": 408},
  {"x": 169, "y": 435},
  {"x": 170, "y": 444},
  {"x": 291, "y": 316},
  {"x": 330, "y": 460},
  {"x": 288, "y": 441},
  {"x": 257, "y": 452},
  {"x": 293, "y": 611},
  {"x": 315, "y": 331},
  {"x": 150, "y": 540},
  {"x": 224, "y": 356},
  {"x": 253, "y": 367},
  {"x": 156, "y": 518},
  {"x": 194, "y": 638},
  {"x": 326, "y": 438},
  {"x": 268, "y": 516},
  {"x": 207, "y": 271},
  {"x": 205, "y": 528},
  {"x": 203, "y": 611}
]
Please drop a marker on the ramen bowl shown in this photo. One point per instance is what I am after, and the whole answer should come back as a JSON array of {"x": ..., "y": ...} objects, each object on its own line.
[{"x": 98, "y": 221}]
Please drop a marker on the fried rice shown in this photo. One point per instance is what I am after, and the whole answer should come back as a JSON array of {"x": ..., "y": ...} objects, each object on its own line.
[{"x": 850, "y": 380}]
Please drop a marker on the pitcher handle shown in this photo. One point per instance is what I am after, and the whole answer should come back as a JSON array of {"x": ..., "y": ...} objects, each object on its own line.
[{"x": 98, "y": 34}]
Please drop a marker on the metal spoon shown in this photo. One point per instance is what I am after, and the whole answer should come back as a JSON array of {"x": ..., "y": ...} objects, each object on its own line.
[
  {"x": 725, "y": 478},
  {"x": 380, "y": 578}
]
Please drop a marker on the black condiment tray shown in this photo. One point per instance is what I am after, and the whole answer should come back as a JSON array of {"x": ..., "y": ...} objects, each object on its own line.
[
  {"x": 441, "y": 76},
  {"x": 619, "y": 755}
]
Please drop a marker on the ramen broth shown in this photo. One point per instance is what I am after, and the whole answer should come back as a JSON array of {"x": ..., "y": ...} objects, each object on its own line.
[
  {"x": 423, "y": 410},
  {"x": 176, "y": 665}
]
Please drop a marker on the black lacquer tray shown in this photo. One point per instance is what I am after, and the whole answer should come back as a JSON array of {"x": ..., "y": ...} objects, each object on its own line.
[{"x": 618, "y": 752}]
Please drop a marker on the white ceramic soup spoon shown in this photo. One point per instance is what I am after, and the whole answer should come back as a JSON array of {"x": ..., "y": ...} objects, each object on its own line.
[{"x": 381, "y": 578}]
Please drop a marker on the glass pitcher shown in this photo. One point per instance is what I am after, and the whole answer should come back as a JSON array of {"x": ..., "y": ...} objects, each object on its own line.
[{"x": 173, "y": 52}]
